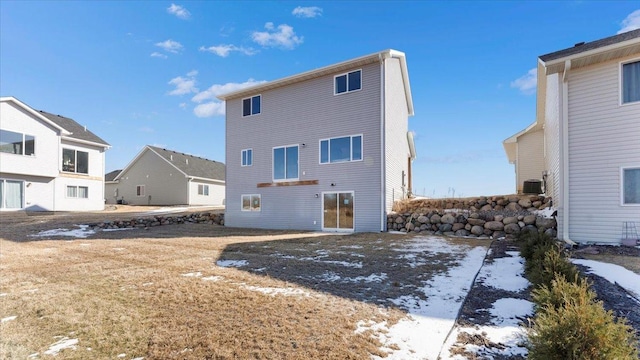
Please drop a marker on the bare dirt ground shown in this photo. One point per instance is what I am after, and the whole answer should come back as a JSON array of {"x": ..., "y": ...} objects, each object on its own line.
[
  {"x": 158, "y": 293},
  {"x": 161, "y": 293}
]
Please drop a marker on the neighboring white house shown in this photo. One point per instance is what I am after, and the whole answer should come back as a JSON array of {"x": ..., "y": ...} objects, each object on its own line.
[
  {"x": 48, "y": 162},
  {"x": 328, "y": 149},
  {"x": 159, "y": 176},
  {"x": 588, "y": 110}
]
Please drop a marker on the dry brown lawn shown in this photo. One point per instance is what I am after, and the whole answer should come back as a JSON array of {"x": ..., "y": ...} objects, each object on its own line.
[{"x": 158, "y": 293}]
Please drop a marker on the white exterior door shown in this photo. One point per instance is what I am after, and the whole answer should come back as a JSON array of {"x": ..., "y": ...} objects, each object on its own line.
[
  {"x": 11, "y": 194},
  {"x": 338, "y": 211}
]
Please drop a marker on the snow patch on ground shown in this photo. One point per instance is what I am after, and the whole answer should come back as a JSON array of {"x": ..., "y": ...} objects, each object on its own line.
[
  {"x": 494, "y": 274},
  {"x": 64, "y": 343},
  {"x": 212, "y": 278},
  {"x": 232, "y": 263},
  {"x": 82, "y": 232},
  {"x": 289, "y": 291},
  {"x": 629, "y": 280},
  {"x": 8, "y": 318},
  {"x": 546, "y": 213},
  {"x": 193, "y": 274},
  {"x": 118, "y": 229},
  {"x": 421, "y": 334}
]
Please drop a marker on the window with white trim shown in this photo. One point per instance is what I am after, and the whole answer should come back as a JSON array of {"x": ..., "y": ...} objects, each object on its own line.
[
  {"x": 140, "y": 190},
  {"x": 252, "y": 105},
  {"x": 203, "y": 189},
  {"x": 285, "y": 163},
  {"x": 247, "y": 157},
  {"x": 75, "y": 161},
  {"x": 17, "y": 143},
  {"x": 348, "y": 82},
  {"x": 631, "y": 186},
  {"x": 251, "y": 202},
  {"x": 341, "y": 149},
  {"x": 81, "y": 192},
  {"x": 630, "y": 82}
]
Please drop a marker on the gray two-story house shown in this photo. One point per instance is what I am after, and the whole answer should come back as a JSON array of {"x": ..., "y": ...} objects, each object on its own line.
[{"x": 327, "y": 149}]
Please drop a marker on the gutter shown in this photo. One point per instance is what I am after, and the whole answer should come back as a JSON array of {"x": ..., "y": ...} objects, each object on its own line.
[
  {"x": 565, "y": 154},
  {"x": 383, "y": 188}
]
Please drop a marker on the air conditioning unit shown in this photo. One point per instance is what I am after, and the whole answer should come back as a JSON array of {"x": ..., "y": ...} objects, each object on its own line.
[{"x": 532, "y": 187}]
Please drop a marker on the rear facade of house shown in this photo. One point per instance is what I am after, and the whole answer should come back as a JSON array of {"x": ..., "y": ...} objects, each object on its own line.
[
  {"x": 328, "y": 149},
  {"x": 591, "y": 113},
  {"x": 48, "y": 162}
]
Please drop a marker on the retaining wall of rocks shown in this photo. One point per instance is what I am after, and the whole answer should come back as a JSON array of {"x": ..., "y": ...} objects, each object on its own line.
[
  {"x": 485, "y": 217},
  {"x": 158, "y": 220}
]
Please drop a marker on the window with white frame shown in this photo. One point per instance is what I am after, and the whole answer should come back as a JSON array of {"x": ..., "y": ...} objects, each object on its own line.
[
  {"x": 285, "y": 163},
  {"x": 81, "y": 192},
  {"x": 251, "y": 202},
  {"x": 348, "y": 82},
  {"x": 203, "y": 189},
  {"x": 630, "y": 82},
  {"x": 247, "y": 157},
  {"x": 251, "y": 106},
  {"x": 631, "y": 186},
  {"x": 75, "y": 161},
  {"x": 12, "y": 142},
  {"x": 140, "y": 190},
  {"x": 341, "y": 149}
]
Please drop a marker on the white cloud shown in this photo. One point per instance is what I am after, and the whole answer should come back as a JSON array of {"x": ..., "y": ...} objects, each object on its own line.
[
  {"x": 146, "y": 129},
  {"x": 631, "y": 22},
  {"x": 283, "y": 36},
  {"x": 209, "y": 105},
  {"x": 223, "y": 50},
  {"x": 527, "y": 83},
  {"x": 307, "y": 12},
  {"x": 179, "y": 11},
  {"x": 183, "y": 105},
  {"x": 214, "y": 108},
  {"x": 158, "y": 55},
  {"x": 184, "y": 84},
  {"x": 217, "y": 89},
  {"x": 170, "y": 46}
]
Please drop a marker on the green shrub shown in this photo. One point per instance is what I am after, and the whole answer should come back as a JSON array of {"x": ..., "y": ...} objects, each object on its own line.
[
  {"x": 560, "y": 292},
  {"x": 571, "y": 325},
  {"x": 534, "y": 242},
  {"x": 547, "y": 264}
]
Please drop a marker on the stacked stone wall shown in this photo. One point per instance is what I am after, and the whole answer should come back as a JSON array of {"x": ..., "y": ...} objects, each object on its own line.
[
  {"x": 484, "y": 217},
  {"x": 158, "y": 220}
]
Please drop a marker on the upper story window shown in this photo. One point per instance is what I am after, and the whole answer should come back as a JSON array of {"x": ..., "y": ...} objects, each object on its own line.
[
  {"x": 17, "y": 143},
  {"x": 251, "y": 106},
  {"x": 75, "y": 161},
  {"x": 631, "y": 186},
  {"x": 348, "y": 82},
  {"x": 247, "y": 157},
  {"x": 285, "y": 163},
  {"x": 631, "y": 82},
  {"x": 203, "y": 189},
  {"x": 342, "y": 149}
]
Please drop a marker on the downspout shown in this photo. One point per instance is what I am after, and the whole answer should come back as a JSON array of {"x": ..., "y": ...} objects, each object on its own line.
[
  {"x": 383, "y": 187},
  {"x": 565, "y": 153}
]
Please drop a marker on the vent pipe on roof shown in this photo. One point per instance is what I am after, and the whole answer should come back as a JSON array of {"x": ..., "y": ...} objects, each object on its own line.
[
  {"x": 187, "y": 160},
  {"x": 578, "y": 44}
]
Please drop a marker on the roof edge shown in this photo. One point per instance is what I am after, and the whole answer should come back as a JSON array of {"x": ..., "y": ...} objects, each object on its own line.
[{"x": 34, "y": 112}]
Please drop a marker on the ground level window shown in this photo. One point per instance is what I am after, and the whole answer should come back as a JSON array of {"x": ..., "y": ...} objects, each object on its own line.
[
  {"x": 631, "y": 186},
  {"x": 203, "y": 190},
  {"x": 251, "y": 202},
  {"x": 140, "y": 190},
  {"x": 81, "y": 192}
]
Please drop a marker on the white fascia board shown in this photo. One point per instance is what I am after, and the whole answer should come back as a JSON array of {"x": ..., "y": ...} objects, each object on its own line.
[
  {"x": 35, "y": 113},
  {"x": 86, "y": 142},
  {"x": 221, "y": 182},
  {"x": 591, "y": 52}
]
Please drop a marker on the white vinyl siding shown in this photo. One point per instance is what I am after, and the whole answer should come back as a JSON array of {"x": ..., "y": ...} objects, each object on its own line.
[
  {"x": 603, "y": 137},
  {"x": 530, "y": 158}
]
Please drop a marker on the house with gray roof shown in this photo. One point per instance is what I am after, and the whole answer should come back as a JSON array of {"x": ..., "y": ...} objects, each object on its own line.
[
  {"x": 48, "y": 162},
  {"x": 328, "y": 149},
  {"x": 585, "y": 142},
  {"x": 158, "y": 176}
]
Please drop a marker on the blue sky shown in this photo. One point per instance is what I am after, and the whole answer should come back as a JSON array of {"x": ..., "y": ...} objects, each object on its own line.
[{"x": 147, "y": 72}]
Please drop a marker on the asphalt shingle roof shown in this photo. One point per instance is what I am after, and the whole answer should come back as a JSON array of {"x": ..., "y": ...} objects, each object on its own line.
[
  {"x": 193, "y": 165},
  {"x": 591, "y": 45},
  {"x": 78, "y": 131},
  {"x": 112, "y": 175}
]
